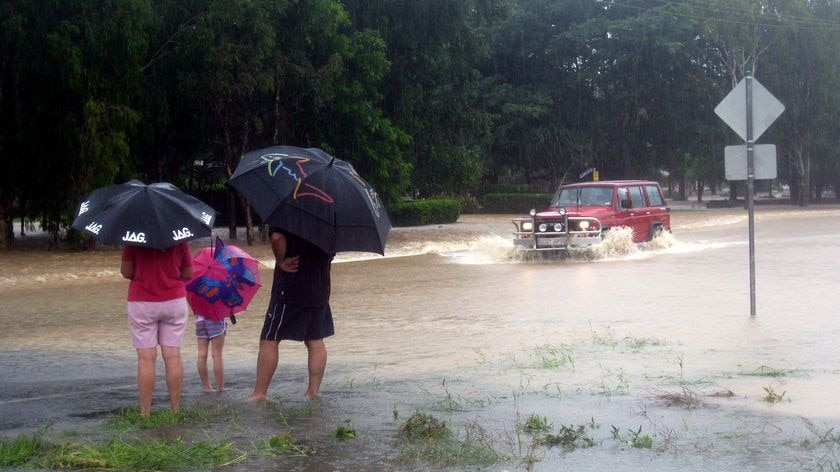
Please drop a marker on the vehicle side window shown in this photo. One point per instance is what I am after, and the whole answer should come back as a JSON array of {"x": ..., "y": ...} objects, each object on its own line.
[
  {"x": 623, "y": 194},
  {"x": 654, "y": 195},
  {"x": 637, "y": 196}
]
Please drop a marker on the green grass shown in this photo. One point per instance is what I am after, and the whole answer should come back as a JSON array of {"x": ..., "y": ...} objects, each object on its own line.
[
  {"x": 771, "y": 396},
  {"x": 291, "y": 415},
  {"x": 142, "y": 455},
  {"x": 765, "y": 371},
  {"x": 535, "y": 424},
  {"x": 129, "y": 418},
  {"x": 344, "y": 432},
  {"x": 284, "y": 444},
  {"x": 640, "y": 343},
  {"x": 427, "y": 438},
  {"x": 19, "y": 451},
  {"x": 555, "y": 357},
  {"x": 606, "y": 339},
  {"x": 569, "y": 437}
]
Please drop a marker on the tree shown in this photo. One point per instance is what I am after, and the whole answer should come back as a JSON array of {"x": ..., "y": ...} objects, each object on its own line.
[{"x": 69, "y": 113}]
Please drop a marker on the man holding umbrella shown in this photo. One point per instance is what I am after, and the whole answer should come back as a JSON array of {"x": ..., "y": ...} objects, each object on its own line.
[
  {"x": 299, "y": 309},
  {"x": 323, "y": 207}
]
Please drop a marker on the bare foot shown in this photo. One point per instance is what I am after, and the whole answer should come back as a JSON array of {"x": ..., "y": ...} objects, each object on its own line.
[
  {"x": 257, "y": 397},
  {"x": 208, "y": 390}
]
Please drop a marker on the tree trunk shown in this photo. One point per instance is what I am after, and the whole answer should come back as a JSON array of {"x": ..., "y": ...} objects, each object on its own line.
[{"x": 249, "y": 222}]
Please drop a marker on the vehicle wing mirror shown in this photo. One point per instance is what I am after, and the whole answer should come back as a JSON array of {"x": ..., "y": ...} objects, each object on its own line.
[{"x": 625, "y": 204}]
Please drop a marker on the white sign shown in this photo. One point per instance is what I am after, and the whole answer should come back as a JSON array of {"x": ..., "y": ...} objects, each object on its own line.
[
  {"x": 764, "y": 162},
  {"x": 733, "y": 109}
]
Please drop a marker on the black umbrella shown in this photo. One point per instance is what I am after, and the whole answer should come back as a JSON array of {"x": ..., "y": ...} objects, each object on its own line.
[
  {"x": 312, "y": 194},
  {"x": 157, "y": 215}
]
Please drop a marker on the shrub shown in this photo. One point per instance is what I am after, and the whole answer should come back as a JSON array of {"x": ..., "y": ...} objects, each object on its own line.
[
  {"x": 424, "y": 212},
  {"x": 507, "y": 188},
  {"x": 515, "y": 202}
]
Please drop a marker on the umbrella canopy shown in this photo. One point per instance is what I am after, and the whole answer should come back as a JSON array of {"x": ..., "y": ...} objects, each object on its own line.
[
  {"x": 224, "y": 282},
  {"x": 157, "y": 215},
  {"x": 315, "y": 196}
]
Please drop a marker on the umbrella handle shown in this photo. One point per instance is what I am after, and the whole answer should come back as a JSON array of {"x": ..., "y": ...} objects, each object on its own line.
[{"x": 232, "y": 319}]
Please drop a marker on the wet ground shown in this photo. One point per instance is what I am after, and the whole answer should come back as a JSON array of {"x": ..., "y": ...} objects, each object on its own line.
[{"x": 616, "y": 345}]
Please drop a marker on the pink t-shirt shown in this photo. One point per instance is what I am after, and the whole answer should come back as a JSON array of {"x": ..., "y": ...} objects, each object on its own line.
[{"x": 157, "y": 273}]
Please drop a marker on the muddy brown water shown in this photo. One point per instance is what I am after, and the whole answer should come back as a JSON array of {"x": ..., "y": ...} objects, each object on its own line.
[{"x": 455, "y": 323}]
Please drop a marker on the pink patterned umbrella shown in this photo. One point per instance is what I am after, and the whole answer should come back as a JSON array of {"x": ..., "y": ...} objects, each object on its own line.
[{"x": 225, "y": 280}]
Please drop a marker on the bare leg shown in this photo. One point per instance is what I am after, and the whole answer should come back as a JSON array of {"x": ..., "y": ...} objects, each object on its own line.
[
  {"x": 217, "y": 344},
  {"x": 174, "y": 375},
  {"x": 201, "y": 363},
  {"x": 266, "y": 365},
  {"x": 317, "y": 365},
  {"x": 146, "y": 378}
]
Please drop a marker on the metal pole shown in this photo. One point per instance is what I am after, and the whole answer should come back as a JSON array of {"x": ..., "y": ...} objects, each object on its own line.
[{"x": 750, "y": 190}]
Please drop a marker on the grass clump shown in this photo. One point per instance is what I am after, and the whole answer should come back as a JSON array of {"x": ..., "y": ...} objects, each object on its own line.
[
  {"x": 430, "y": 439},
  {"x": 771, "y": 396},
  {"x": 640, "y": 343},
  {"x": 129, "y": 418},
  {"x": 142, "y": 455},
  {"x": 22, "y": 449},
  {"x": 536, "y": 424},
  {"x": 289, "y": 416},
  {"x": 555, "y": 357},
  {"x": 345, "y": 431},
  {"x": 284, "y": 444},
  {"x": 569, "y": 437},
  {"x": 635, "y": 438},
  {"x": 766, "y": 371}
]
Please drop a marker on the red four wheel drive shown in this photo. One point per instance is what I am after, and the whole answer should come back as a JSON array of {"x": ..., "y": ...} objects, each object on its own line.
[{"x": 580, "y": 214}]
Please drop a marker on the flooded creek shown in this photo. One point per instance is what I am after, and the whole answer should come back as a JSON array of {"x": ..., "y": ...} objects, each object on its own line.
[{"x": 455, "y": 323}]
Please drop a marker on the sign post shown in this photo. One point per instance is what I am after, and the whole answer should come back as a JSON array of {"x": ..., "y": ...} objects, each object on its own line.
[{"x": 749, "y": 109}]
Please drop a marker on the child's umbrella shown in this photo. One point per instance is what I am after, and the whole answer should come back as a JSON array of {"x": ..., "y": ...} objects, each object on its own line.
[{"x": 225, "y": 280}]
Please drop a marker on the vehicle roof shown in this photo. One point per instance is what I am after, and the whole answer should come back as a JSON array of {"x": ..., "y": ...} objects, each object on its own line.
[{"x": 609, "y": 182}]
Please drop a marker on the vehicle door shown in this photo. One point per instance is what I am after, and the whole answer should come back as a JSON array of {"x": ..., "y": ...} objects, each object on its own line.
[
  {"x": 640, "y": 217},
  {"x": 624, "y": 208},
  {"x": 659, "y": 212}
]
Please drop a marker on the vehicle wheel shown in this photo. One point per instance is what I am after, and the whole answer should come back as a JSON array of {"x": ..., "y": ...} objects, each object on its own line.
[{"x": 655, "y": 231}]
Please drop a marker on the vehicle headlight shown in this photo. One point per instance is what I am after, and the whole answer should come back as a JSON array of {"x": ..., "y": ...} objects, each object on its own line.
[
  {"x": 543, "y": 227},
  {"x": 562, "y": 211},
  {"x": 558, "y": 227},
  {"x": 527, "y": 226},
  {"x": 584, "y": 225}
]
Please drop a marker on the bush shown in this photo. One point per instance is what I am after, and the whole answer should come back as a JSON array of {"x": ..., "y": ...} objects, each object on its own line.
[
  {"x": 425, "y": 212},
  {"x": 515, "y": 202},
  {"x": 506, "y": 188}
]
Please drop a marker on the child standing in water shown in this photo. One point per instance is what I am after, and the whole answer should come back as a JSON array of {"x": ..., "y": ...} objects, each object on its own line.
[{"x": 211, "y": 337}]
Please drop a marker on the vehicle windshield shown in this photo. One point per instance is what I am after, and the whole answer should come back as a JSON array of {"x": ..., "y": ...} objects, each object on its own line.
[{"x": 583, "y": 196}]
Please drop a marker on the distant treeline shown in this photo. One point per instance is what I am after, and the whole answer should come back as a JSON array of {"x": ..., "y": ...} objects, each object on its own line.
[{"x": 432, "y": 98}]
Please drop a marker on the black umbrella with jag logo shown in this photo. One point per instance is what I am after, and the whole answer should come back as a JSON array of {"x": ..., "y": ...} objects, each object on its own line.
[
  {"x": 157, "y": 215},
  {"x": 315, "y": 196}
]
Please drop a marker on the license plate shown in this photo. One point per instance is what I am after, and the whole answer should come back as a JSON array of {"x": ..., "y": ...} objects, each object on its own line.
[{"x": 552, "y": 242}]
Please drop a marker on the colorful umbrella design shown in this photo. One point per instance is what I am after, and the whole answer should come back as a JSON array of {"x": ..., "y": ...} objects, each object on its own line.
[
  {"x": 225, "y": 280},
  {"x": 312, "y": 194}
]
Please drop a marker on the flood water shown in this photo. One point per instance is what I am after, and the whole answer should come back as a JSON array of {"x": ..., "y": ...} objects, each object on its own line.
[{"x": 455, "y": 323}]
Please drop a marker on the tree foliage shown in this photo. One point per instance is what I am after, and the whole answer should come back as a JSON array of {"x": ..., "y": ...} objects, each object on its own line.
[{"x": 431, "y": 98}]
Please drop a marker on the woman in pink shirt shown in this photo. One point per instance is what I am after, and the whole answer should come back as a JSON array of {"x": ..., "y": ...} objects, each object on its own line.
[{"x": 157, "y": 315}]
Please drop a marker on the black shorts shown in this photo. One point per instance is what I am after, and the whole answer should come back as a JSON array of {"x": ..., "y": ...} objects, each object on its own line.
[{"x": 283, "y": 321}]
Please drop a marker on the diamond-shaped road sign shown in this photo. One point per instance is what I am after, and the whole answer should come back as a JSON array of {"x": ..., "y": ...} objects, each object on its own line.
[{"x": 733, "y": 109}]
